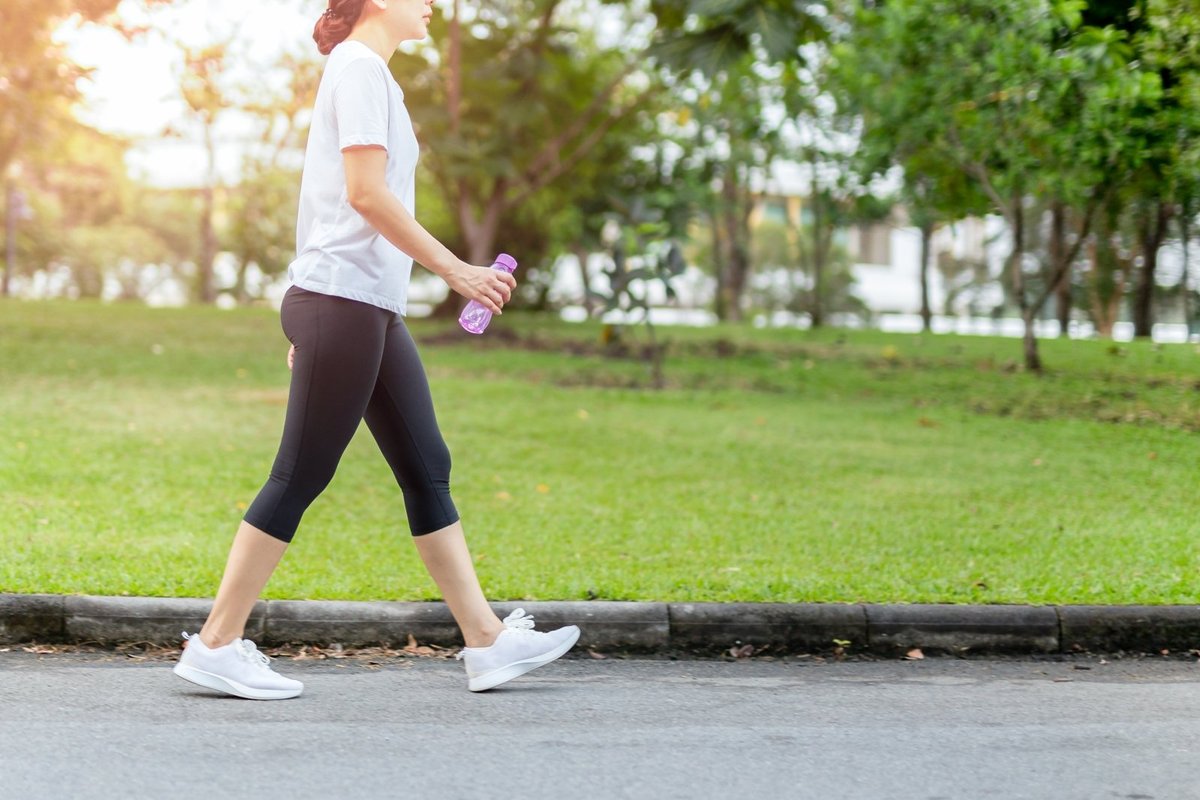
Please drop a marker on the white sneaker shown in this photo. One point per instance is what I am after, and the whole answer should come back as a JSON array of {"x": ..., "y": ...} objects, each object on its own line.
[
  {"x": 237, "y": 668},
  {"x": 518, "y": 649}
]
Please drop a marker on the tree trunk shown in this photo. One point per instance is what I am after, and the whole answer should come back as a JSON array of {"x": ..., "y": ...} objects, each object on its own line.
[
  {"x": 239, "y": 288},
  {"x": 453, "y": 303},
  {"x": 926, "y": 254},
  {"x": 1033, "y": 361},
  {"x": 480, "y": 235},
  {"x": 1058, "y": 248},
  {"x": 208, "y": 236},
  {"x": 1185, "y": 237},
  {"x": 818, "y": 260},
  {"x": 1151, "y": 231},
  {"x": 582, "y": 254},
  {"x": 1109, "y": 278},
  {"x": 735, "y": 252},
  {"x": 10, "y": 236},
  {"x": 208, "y": 250},
  {"x": 1105, "y": 300},
  {"x": 718, "y": 256},
  {"x": 89, "y": 281}
]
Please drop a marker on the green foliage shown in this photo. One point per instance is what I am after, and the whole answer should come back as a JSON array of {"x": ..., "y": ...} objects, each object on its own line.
[
  {"x": 714, "y": 36},
  {"x": 640, "y": 254},
  {"x": 90, "y": 217},
  {"x": 262, "y": 219},
  {"x": 40, "y": 81},
  {"x": 118, "y": 251},
  {"x": 1035, "y": 108},
  {"x": 834, "y": 293},
  {"x": 536, "y": 119}
]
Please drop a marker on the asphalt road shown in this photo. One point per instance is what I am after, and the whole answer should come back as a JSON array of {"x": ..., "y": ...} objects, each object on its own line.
[{"x": 103, "y": 725}]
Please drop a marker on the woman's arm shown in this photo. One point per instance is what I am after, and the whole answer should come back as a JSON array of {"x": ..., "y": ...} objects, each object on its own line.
[{"x": 369, "y": 196}]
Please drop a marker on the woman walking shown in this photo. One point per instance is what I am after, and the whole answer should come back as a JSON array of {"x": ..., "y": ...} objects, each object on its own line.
[{"x": 352, "y": 358}]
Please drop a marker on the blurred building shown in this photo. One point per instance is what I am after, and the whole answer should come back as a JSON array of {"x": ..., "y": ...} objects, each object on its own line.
[{"x": 885, "y": 257}]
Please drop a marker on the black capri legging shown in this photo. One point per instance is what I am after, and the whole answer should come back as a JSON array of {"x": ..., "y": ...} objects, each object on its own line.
[{"x": 353, "y": 361}]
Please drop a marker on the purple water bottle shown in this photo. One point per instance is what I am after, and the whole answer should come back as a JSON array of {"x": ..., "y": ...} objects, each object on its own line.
[{"x": 475, "y": 317}]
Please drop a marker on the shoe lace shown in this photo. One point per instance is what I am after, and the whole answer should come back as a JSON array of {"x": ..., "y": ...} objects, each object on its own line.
[
  {"x": 248, "y": 651},
  {"x": 518, "y": 622}
]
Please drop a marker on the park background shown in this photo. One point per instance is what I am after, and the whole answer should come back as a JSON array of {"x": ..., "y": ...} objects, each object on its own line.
[{"x": 842, "y": 302}]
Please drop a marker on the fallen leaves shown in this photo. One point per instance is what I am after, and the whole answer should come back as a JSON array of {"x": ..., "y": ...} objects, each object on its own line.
[
  {"x": 309, "y": 652},
  {"x": 40, "y": 649}
]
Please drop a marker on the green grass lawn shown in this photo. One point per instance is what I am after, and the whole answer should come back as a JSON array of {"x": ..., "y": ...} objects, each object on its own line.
[{"x": 834, "y": 466}]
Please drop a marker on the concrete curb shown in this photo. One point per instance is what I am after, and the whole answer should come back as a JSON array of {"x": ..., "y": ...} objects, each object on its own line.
[{"x": 629, "y": 626}]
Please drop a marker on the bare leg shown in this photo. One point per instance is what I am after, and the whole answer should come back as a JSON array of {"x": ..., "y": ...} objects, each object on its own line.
[
  {"x": 252, "y": 559},
  {"x": 449, "y": 563}
]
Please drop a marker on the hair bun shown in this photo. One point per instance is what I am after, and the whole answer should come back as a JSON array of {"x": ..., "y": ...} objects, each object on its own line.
[{"x": 335, "y": 23}]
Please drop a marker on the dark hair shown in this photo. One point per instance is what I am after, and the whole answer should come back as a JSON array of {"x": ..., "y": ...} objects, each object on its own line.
[{"x": 335, "y": 24}]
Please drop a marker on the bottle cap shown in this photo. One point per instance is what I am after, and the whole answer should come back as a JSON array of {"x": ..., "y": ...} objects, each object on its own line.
[{"x": 505, "y": 260}]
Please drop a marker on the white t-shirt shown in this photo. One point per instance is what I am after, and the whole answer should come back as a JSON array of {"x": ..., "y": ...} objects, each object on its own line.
[{"x": 337, "y": 252}]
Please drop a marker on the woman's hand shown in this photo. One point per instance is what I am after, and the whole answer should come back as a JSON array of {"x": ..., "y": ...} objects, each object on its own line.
[
  {"x": 291, "y": 356},
  {"x": 491, "y": 287}
]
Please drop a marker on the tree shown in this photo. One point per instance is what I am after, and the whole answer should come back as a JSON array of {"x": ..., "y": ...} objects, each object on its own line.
[
  {"x": 1020, "y": 116},
  {"x": 734, "y": 57},
  {"x": 95, "y": 252},
  {"x": 39, "y": 83},
  {"x": 519, "y": 98},
  {"x": 263, "y": 206},
  {"x": 934, "y": 191},
  {"x": 207, "y": 98},
  {"x": 1168, "y": 42},
  {"x": 727, "y": 140},
  {"x": 89, "y": 216}
]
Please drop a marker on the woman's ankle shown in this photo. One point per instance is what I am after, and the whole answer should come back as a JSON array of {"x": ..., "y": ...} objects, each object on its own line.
[
  {"x": 212, "y": 640},
  {"x": 483, "y": 638}
]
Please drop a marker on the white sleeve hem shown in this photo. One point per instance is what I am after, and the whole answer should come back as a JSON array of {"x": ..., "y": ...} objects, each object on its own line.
[{"x": 351, "y": 141}]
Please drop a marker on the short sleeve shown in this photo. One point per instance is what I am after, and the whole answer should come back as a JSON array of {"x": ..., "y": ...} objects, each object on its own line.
[{"x": 360, "y": 104}]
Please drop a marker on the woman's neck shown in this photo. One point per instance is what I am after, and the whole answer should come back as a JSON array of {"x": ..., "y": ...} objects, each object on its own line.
[{"x": 375, "y": 38}]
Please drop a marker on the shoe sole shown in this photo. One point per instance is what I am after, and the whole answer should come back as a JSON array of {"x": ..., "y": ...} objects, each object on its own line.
[
  {"x": 211, "y": 681},
  {"x": 496, "y": 677}
]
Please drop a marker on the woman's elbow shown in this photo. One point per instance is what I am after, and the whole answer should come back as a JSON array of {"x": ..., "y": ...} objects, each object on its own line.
[{"x": 362, "y": 200}]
